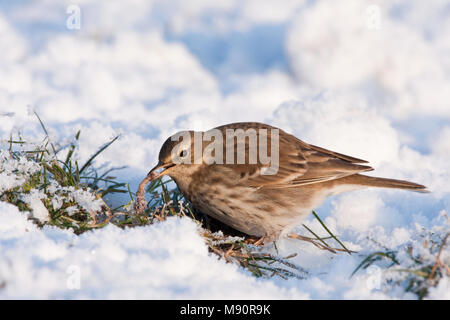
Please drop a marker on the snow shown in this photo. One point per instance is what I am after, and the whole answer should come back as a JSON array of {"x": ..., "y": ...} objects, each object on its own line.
[
  {"x": 14, "y": 171},
  {"x": 326, "y": 72},
  {"x": 38, "y": 210},
  {"x": 442, "y": 291},
  {"x": 165, "y": 261}
]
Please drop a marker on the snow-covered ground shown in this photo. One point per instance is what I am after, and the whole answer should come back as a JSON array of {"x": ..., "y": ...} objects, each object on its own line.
[{"x": 366, "y": 78}]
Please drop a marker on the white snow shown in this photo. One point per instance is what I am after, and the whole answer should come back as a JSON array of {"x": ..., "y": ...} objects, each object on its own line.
[
  {"x": 13, "y": 171},
  {"x": 165, "y": 261},
  {"x": 325, "y": 71},
  {"x": 38, "y": 210}
]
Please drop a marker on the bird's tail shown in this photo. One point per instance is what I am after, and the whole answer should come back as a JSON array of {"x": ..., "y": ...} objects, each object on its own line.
[{"x": 385, "y": 183}]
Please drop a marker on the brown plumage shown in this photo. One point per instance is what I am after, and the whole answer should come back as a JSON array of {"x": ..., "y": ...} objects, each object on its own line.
[{"x": 240, "y": 196}]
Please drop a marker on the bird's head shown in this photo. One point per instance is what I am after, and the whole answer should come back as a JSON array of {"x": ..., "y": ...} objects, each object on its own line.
[{"x": 176, "y": 153}]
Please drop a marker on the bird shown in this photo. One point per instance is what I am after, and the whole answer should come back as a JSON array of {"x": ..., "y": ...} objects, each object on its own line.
[{"x": 247, "y": 196}]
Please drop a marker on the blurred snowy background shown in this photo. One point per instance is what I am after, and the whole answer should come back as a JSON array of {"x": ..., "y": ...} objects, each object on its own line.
[{"x": 366, "y": 78}]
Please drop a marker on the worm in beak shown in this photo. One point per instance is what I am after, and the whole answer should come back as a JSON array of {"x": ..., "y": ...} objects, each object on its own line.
[{"x": 158, "y": 171}]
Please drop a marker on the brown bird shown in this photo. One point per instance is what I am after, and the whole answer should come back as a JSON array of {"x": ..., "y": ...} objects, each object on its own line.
[{"x": 248, "y": 196}]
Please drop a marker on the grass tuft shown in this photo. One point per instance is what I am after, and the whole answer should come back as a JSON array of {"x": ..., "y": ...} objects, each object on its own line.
[
  {"x": 415, "y": 268},
  {"x": 53, "y": 188}
]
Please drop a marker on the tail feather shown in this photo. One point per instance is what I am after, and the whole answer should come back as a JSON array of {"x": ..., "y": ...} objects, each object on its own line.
[{"x": 386, "y": 183}]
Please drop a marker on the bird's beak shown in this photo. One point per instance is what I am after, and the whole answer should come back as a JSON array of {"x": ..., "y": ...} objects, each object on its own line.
[{"x": 159, "y": 170}]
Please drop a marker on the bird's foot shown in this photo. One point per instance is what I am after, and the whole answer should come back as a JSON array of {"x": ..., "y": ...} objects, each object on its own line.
[
  {"x": 263, "y": 240},
  {"x": 260, "y": 241}
]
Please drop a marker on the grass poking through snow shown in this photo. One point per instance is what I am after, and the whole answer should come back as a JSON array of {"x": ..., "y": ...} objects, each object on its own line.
[
  {"x": 415, "y": 268},
  {"x": 47, "y": 181}
]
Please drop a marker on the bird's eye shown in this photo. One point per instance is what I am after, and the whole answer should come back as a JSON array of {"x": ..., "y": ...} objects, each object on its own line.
[{"x": 183, "y": 153}]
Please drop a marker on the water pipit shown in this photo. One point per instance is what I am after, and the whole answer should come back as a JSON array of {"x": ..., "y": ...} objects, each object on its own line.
[{"x": 257, "y": 178}]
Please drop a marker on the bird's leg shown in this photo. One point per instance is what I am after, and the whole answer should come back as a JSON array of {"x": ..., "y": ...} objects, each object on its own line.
[
  {"x": 260, "y": 241},
  {"x": 229, "y": 251}
]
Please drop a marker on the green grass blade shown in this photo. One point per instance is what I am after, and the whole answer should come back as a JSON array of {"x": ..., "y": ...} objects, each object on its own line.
[
  {"x": 129, "y": 192},
  {"x": 371, "y": 258},
  {"x": 88, "y": 163},
  {"x": 45, "y": 130},
  {"x": 330, "y": 233},
  {"x": 317, "y": 237}
]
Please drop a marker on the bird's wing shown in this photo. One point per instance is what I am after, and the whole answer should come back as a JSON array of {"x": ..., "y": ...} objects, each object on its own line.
[{"x": 299, "y": 164}]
